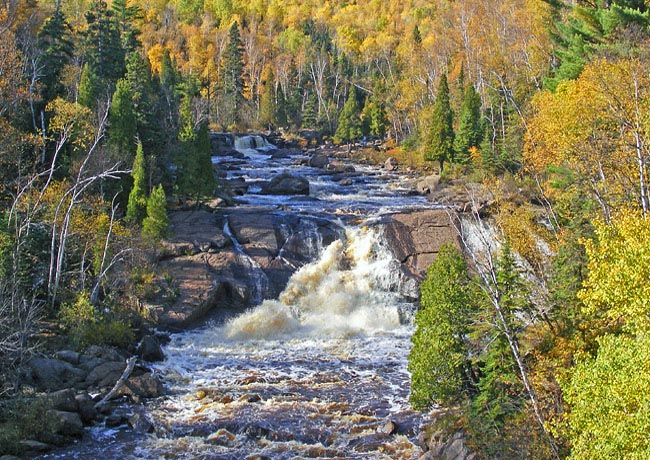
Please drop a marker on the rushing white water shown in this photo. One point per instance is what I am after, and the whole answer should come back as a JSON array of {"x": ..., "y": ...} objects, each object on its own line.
[{"x": 253, "y": 145}]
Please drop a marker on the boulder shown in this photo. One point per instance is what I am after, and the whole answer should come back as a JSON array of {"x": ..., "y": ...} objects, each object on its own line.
[
  {"x": 53, "y": 374},
  {"x": 69, "y": 356},
  {"x": 391, "y": 164},
  {"x": 428, "y": 184},
  {"x": 86, "y": 407},
  {"x": 450, "y": 449},
  {"x": 63, "y": 423},
  {"x": 345, "y": 182},
  {"x": 389, "y": 427},
  {"x": 63, "y": 400},
  {"x": 149, "y": 349},
  {"x": 237, "y": 186},
  {"x": 222, "y": 438},
  {"x": 33, "y": 446},
  {"x": 286, "y": 184},
  {"x": 140, "y": 423},
  {"x": 318, "y": 160},
  {"x": 105, "y": 374},
  {"x": 142, "y": 386}
]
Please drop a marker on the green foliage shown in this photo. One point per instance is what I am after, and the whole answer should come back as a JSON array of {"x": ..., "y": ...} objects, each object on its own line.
[
  {"x": 470, "y": 131},
  {"x": 137, "y": 206},
  {"x": 309, "y": 116},
  {"x": 233, "y": 77},
  {"x": 439, "y": 138},
  {"x": 438, "y": 361},
  {"x": 122, "y": 131},
  {"x": 104, "y": 52},
  {"x": 268, "y": 107},
  {"x": 608, "y": 397},
  {"x": 88, "y": 88},
  {"x": 87, "y": 325},
  {"x": 55, "y": 40},
  {"x": 155, "y": 225},
  {"x": 349, "y": 124}
]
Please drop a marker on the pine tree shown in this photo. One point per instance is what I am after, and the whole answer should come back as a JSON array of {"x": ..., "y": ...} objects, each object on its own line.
[
  {"x": 439, "y": 362},
  {"x": 104, "y": 52},
  {"x": 377, "y": 117},
  {"x": 125, "y": 17},
  {"x": 349, "y": 126},
  {"x": 122, "y": 130},
  {"x": 309, "y": 118},
  {"x": 439, "y": 139},
  {"x": 268, "y": 112},
  {"x": 88, "y": 88},
  {"x": 155, "y": 225},
  {"x": 141, "y": 84},
  {"x": 233, "y": 77},
  {"x": 54, "y": 39},
  {"x": 137, "y": 206},
  {"x": 470, "y": 131}
]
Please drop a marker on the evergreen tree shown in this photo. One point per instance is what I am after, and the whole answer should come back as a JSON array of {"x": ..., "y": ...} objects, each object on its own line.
[
  {"x": 349, "y": 125},
  {"x": 439, "y": 139},
  {"x": 137, "y": 205},
  {"x": 268, "y": 116},
  {"x": 233, "y": 77},
  {"x": 195, "y": 174},
  {"x": 54, "y": 39},
  {"x": 88, "y": 88},
  {"x": 155, "y": 225},
  {"x": 309, "y": 119},
  {"x": 470, "y": 132},
  {"x": 377, "y": 117},
  {"x": 438, "y": 361},
  {"x": 104, "y": 53},
  {"x": 138, "y": 74},
  {"x": 125, "y": 17},
  {"x": 122, "y": 130}
]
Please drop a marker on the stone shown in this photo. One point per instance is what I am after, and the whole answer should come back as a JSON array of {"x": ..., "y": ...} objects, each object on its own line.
[
  {"x": 318, "y": 160},
  {"x": 391, "y": 164},
  {"x": 140, "y": 423},
  {"x": 237, "y": 186},
  {"x": 66, "y": 424},
  {"x": 31, "y": 445},
  {"x": 389, "y": 427},
  {"x": 286, "y": 184},
  {"x": 453, "y": 448},
  {"x": 9, "y": 457},
  {"x": 149, "y": 349},
  {"x": 222, "y": 437},
  {"x": 53, "y": 374},
  {"x": 69, "y": 356},
  {"x": 114, "y": 420},
  {"x": 345, "y": 182},
  {"x": 428, "y": 184},
  {"x": 142, "y": 386},
  {"x": 63, "y": 400},
  {"x": 86, "y": 407},
  {"x": 105, "y": 374}
]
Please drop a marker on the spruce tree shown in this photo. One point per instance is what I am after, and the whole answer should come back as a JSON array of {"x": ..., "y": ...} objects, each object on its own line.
[
  {"x": 155, "y": 225},
  {"x": 55, "y": 40},
  {"x": 104, "y": 52},
  {"x": 470, "y": 132},
  {"x": 122, "y": 129},
  {"x": 233, "y": 77},
  {"x": 349, "y": 127},
  {"x": 377, "y": 117},
  {"x": 439, "y": 139},
  {"x": 137, "y": 205},
  {"x": 88, "y": 88},
  {"x": 309, "y": 118},
  {"x": 268, "y": 110},
  {"x": 439, "y": 359}
]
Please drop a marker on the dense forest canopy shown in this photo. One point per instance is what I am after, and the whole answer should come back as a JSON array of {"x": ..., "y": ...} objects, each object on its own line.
[{"x": 105, "y": 113}]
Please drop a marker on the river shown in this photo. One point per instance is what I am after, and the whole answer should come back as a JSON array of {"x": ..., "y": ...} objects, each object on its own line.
[{"x": 320, "y": 372}]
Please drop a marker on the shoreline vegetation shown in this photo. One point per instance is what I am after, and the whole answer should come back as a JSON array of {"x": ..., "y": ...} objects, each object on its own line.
[{"x": 531, "y": 116}]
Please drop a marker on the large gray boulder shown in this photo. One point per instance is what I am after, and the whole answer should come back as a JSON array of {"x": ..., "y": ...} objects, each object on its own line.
[
  {"x": 62, "y": 423},
  {"x": 318, "y": 160},
  {"x": 286, "y": 184},
  {"x": 53, "y": 374}
]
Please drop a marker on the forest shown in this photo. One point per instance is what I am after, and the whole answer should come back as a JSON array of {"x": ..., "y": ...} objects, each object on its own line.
[{"x": 105, "y": 114}]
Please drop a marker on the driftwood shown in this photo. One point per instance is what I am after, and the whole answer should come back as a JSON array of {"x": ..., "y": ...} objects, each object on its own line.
[{"x": 130, "y": 364}]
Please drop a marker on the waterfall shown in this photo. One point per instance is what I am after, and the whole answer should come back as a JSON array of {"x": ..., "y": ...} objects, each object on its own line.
[
  {"x": 260, "y": 283},
  {"x": 253, "y": 145},
  {"x": 348, "y": 291}
]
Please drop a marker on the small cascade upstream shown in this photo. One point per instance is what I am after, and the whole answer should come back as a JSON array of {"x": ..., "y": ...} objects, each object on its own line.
[{"x": 253, "y": 145}]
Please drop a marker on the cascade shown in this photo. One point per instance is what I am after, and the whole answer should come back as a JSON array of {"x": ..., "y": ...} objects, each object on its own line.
[{"x": 252, "y": 145}]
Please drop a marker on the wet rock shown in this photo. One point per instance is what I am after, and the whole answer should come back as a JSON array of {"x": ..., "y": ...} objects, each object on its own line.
[
  {"x": 140, "y": 423},
  {"x": 222, "y": 437},
  {"x": 86, "y": 407},
  {"x": 143, "y": 386},
  {"x": 336, "y": 167},
  {"x": 391, "y": 164},
  {"x": 66, "y": 424},
  {"x": 428, "y": 185},
  {"x": 8, "y": 457},
  {"x": 105, "y": 374},
  {"x": 53, "y": 374},
  {"x": 105, "y": 353},
  {"x": 149, "y": 349},
  {"x": 33, "y": 446},
  {"x": 114, "y": 420},
  {"x": 250, "y": 398},
  {"x": 286, "y": 184},
  {"x": 450, "y": 449},
  {"x": 318, "y": 160},
  {"x": 345, "y": 182},
  {"x": 63, "y": 400},
  {"x": 237, "y": 186},
  {"x": 389, "y": 427},
  {"x": 256, "y": 431}
]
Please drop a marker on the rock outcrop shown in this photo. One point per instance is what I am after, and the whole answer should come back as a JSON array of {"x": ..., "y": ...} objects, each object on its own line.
[{"x": 286, "y": 184}]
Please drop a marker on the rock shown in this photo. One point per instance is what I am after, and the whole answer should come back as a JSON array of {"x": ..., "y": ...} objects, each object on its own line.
[
  {"x": 149, "y": 349},
  {"x": 33, "y": 446},
  {"x": 250, "y": 398},
  {"x": 63, "y": 400},
  {"x": 140, "y": 423},
  {"x": 222, "y": 438},
  {"x": 114, "y": 420},
  {"x": 256, "y": 431},
  {"x": 428, "y": 185},
  {"x": 286, "y": 184},
  {"x": 388, "y": 428},
  {"x": 391, "y": 164},
  {"x": 69, "y": 356},
  {"x": 345, "y": 182},
  {"x": 105, "y": 374},
  {"x": 54, "y": 374},
  {"x": 415, "y": 237},
  {"x": 8, "y": 457},
  {"x": 237, "y": 186},
  {"x": 105, "y": 353},
  {"x": 86, "y": 407},
  {"x": 451, "y": 449},
  {"x": 142, "y": 386},
  {"x": 318, "y": 160},
  {"x": 66, "y": 424},
  {"x": 336, "y": 167}
]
